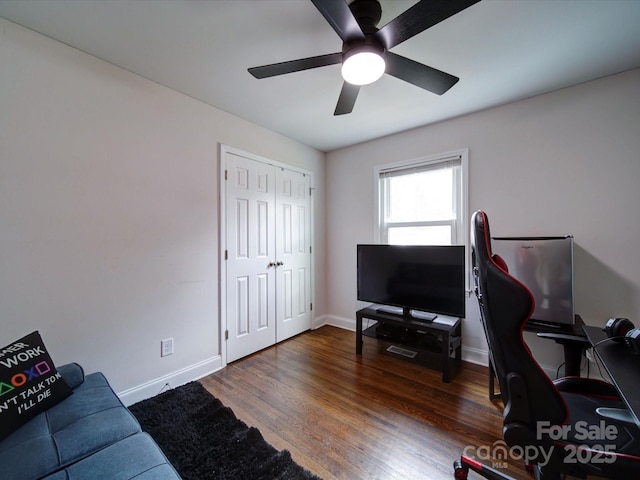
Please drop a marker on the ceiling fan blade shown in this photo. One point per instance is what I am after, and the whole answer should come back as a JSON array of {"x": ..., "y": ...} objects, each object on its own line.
[
  {"x": 295, "y": 65},
  {"x": 418, "y": 74},
  {"x": 339, "y": 16},
  {"x": 347, "y": 98},
  {"x": 418, "y": 18}
]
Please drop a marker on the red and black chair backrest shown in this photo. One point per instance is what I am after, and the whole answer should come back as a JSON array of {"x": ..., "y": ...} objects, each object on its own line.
[{"x": 505, "y": 307}]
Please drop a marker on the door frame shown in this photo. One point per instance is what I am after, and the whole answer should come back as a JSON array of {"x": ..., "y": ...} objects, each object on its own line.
[{"x": 222, "y": 234}]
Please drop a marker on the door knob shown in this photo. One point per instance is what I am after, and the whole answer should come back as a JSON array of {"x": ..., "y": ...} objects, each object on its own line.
[{"x": 279, "y": 264}]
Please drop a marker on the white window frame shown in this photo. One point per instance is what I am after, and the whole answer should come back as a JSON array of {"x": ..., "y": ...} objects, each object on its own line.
[{"x": 461, "y": 227}]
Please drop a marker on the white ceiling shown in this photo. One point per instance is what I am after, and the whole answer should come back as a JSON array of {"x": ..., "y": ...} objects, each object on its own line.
[{"x": 502, "y": 50}]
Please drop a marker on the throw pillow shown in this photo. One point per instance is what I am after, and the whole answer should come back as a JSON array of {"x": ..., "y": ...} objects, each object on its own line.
[{"x": 29, "y": 383}]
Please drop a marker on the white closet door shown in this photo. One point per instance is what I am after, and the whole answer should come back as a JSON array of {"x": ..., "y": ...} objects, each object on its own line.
[
  {"x": 293, "y": 255},
  {"x": 267, "y": 265},
  {"x": 250, "y": 245}
]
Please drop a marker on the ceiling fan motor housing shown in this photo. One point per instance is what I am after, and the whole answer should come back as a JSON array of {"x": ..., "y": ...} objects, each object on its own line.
[
  {"x": 367, "y": 45},
  {"x": 368, "y": 14}
]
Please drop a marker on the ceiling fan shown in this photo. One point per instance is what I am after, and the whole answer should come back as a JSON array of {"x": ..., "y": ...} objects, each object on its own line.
[{"x": 365, "y": 46}]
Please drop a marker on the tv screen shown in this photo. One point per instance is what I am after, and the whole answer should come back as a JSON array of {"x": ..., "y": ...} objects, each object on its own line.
[{"x": 415, "y": 277}]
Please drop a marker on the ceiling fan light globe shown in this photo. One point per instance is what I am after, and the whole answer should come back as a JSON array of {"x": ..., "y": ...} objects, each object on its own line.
[{"x": 363, "y": 68}]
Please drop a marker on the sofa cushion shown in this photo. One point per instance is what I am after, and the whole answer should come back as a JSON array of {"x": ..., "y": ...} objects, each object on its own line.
[
  {"x": 29, "y": 383},
  {"x": 136, "y": 457},
  {"x": 86, "y": 422}
]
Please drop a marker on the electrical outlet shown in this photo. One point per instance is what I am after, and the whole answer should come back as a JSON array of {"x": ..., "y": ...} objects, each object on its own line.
[{"x": 166, "y": 347}]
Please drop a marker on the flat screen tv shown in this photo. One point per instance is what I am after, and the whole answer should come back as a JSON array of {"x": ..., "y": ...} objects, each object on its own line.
[{"x": 418, "y": 280}]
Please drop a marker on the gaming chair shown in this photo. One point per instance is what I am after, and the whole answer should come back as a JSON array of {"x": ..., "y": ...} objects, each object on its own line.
[{"x": 565, "y": 426}]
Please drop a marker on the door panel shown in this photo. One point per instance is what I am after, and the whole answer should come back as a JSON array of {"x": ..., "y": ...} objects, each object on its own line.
[
  {"x": 293, "y": 240},
  {"x": 250, "y": 231}
]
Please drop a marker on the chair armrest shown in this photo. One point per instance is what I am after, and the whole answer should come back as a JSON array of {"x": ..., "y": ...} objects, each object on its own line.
[
  {"x": 590, "y": 387},
  {"x": 72, "y": 373}
]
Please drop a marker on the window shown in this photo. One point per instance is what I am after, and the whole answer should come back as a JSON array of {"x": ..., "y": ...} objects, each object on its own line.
[{"x": 423, "y": 202}]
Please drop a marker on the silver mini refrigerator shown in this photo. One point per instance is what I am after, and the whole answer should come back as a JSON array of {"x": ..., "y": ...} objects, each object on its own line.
[{"x": 545, "y": 266}]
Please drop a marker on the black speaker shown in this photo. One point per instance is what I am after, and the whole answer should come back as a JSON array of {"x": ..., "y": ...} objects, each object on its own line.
[{"x": 617, "y": 328}]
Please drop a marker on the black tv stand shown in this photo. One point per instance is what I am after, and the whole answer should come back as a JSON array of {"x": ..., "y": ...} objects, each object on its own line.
[{"x": 422, "y": 341}]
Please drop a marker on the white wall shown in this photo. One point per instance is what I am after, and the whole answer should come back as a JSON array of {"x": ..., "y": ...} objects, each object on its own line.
[
  {"x": 109, "y": 213},
  {"x": 564, "y": 162}
]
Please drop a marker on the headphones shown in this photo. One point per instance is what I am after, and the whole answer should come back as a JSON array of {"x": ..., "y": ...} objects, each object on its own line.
[
  {"x": 632, "y": 340},
  {"x": 623, "y": 330}
]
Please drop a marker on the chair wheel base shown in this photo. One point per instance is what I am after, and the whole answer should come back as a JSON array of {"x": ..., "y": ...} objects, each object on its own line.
[
  {"x": 462, "y": 466},
  {"x": 459, "y": 470}
]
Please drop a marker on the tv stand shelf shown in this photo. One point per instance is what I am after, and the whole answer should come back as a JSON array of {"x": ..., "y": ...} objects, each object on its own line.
[{"x": 440, "y": 339}]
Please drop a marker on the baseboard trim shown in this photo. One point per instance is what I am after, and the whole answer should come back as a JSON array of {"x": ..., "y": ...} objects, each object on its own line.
[
  {"x": 475, "y": 355},
  {"x": 340, "y": 322},
  {"x": 174, "y": 379},
  {"x": 214, "y": 364}
]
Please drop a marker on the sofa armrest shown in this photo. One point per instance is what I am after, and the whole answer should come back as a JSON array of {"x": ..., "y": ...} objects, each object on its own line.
[{"x": 72, "y": 373}]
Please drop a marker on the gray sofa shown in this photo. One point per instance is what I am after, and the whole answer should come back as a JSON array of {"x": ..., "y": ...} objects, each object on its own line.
[{"x": 88, "y": 435}]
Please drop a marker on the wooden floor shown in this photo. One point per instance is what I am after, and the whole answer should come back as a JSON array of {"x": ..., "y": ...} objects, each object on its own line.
[{"x": 372, "y": 417}]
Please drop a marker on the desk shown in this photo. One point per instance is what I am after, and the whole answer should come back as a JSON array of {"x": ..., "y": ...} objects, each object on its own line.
[
  {"x": 622, "y": 366},
  {"x": 448, "y": 335}
]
